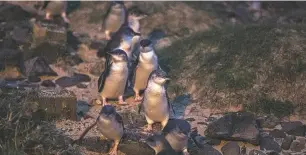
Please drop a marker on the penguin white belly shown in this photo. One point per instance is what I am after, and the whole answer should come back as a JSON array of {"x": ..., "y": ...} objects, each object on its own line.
[
  {"x": 56, "y": 7},
  {"x": 178, "y": 144},
  {"x": 142, "y": 75},
  {"x": 115, "y": 83},
  {"x": 110, "y": 129},
  {"x": 156, "y": 107},
  {"x": 113, "y": 22}
]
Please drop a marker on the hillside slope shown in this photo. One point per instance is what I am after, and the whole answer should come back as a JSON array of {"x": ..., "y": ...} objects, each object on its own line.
[{"x": 261, "y": 67}]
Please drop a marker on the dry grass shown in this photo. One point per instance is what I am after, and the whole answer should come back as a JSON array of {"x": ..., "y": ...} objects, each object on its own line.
[
  {"x": 255, "y": 65},
  {"x": 23, "y": 130}
]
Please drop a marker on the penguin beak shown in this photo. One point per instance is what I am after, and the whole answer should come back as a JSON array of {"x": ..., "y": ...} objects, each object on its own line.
[{"x": 167, "y": 79}]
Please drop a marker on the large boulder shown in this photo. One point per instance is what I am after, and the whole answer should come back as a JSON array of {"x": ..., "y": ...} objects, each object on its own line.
[
  {"x": 57, "y": 103},
  {"x": 38, "y": 67},
  {"x": 294, "y": 128},
  {"x": 231, "y": 148},
  {"x": 268, "y": 143},
  {"x": 239, "y": 126}
]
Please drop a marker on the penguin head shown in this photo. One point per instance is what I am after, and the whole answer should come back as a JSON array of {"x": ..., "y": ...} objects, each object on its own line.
[
  {"x": 136, "y": 13},
  {"x": 146, "y": 45},
  {"x": 127, "y": 37},
  {"x": 117, "y": 4},
  {"x": 159, "y": 77},
  {"x": 119, "y": 55},
  {"x": 107, "y": 110}
]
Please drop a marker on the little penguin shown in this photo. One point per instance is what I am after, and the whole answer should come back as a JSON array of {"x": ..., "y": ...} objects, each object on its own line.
[
  {"x": 160, "y": 145},
  {"x": 110, "y": 124},
  {"x": 146, "y": 63},
  {"x": 113, "y": 80},
  {"x": 177, "y": 133},
  {"x": 121, "y": 39},
  {"x": 55, "y": 8},
  {"x": 155, "y": 102},
  {"x": 115, "y": 17}
]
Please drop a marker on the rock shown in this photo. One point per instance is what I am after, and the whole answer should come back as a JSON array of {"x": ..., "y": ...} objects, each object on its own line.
[
  {"x": 81, "y": 85},
  {"x": 235, "y": 126},
  {"x": 12, "y": 58},
  {"x": 293, "y": 128},
  {"x": 287, "y": 142},
  {"x": 208, "y": 150},
  {"x": 286, "y": 153},
  {"x": 11, "y": 12},
  {"x": 268, "y": 121},
  {"x": 256, "y": 152},
  {"x": 86, "y": 54},
  {"x": 48, "y": 32},
  {"x": 201, "y": 141},
  {"x": 98, "y": 68},
  {"x": 268, "y": 143},
  {"x": 277, "y": 133},
  {"x": 135, "y": 148},
  {"x": 272, "y": 153},
  {"x": 48, "y": 83},
  {"x": 231, "y": 148},
  {"x": 66, "y": 81},
  {"x": 58, "y": 103},
  {"x": 21, "y": 35},
  {"x": 72, "y": 81},
  {"x": 297, "y": 146},
  {"x": 81, "y": 77},
  {"x": 34, "y": 79},
  {"x": 190, "y": 119},
  {"x": 38, "y": 67},
  {"x": 50, "y": 52}
]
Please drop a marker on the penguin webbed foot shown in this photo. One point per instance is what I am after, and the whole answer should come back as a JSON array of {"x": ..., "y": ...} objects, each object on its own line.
[
  {"x": 121, "y": 101},
  {"x": 137, "y": 97},
  {"x": 114, "y": 148},
  {"x": 64, "y": 16},
  {"x": 185, "y": 152}
]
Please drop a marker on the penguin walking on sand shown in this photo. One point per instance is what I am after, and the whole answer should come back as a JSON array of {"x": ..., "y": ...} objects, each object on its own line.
[
  {"x": 55, "y": 8},
  {"x": 177, "y": 133},
  {"x": 113, "y": 80},
  {"x": 110, "y": 124},
  {"x": 155, "y": 102},
  {"x": 146, "y": 63},
  {"x": 115, "y": 17}
]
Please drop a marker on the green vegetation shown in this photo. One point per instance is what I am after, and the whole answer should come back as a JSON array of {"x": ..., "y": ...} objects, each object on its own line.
[{"x": 241, "y": 62}]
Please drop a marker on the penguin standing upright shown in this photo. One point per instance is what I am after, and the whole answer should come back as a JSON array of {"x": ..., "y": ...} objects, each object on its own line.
[
  {"x": 155, "y": 102},
  {"x": 177, "y": 134},
  {"x": 113, "y": 80},
  {"x": 115, "y": 17},
  {"x": 55, "y": 8},
  {"x": 146, "y": 63},
  {"x": 110, "y": 124}
]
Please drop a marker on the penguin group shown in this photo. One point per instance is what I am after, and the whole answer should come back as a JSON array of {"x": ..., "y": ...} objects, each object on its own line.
[{"x": 131, "y": 63}]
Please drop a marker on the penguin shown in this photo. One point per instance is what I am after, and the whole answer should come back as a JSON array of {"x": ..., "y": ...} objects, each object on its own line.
[
  {"x": 155, "y": 102},
  {"x": 146, "y": 63},
  {"x": 112, "y": 82},
  {"x": 160, "y": 145},
  {"x": 121, "y": 40},
  {"x": 115, "y": 17},
  {"x": 55, "y": 8},
  {"x": 177, "y": 133},
  {"x": 110, "y": 124}
]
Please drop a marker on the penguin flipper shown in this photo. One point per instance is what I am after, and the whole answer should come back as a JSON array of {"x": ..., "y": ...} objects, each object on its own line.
[
  {"x": 119, "y": 120},
  {"x": 104, "y": 74},
  {"x": 168, "y": 100}
]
